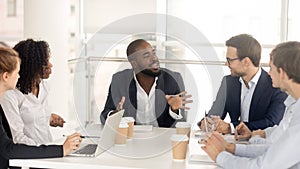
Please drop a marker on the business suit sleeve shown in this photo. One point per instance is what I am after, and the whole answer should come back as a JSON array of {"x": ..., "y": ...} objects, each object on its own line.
[
  {"x": 274, "y": 112},
  {"x": 168, "y": 83},
  {"x": 180, "y": 83},
  {"x": 181, "y": 86},
  {"x": 218, "y": 106},
  {"x": 9, "y": 150},
  {"x": 109, "y": 106}
]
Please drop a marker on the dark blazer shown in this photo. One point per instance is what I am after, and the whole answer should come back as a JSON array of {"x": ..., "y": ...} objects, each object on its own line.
[
  {"x": 123, "y": 84},
  {"x": 9, "y": 150},
  {"x": 266, "y": 108}
]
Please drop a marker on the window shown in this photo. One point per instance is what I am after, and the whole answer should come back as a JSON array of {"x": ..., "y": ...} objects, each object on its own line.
[
  {"x": 11, "y": 8},
  {"x": 293, "y": 20}
]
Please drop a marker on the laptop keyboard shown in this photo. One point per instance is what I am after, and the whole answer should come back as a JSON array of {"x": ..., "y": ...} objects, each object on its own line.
[{"x": 88, "y": 149}]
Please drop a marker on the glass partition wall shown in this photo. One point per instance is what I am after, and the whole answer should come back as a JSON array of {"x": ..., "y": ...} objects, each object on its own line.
[
  {"x": 100, "y": 29},
  {"x": 189, "y": 37}
]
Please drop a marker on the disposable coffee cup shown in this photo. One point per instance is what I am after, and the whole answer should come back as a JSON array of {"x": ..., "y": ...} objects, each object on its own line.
[
  {"x": 183, "y": 128},
  {"x": 130, "y": 121},
  {"x": 179, "y": 146},
  {"x": 121, "y": 134}
]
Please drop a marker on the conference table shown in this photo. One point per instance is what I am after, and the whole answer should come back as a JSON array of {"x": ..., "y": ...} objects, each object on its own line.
[{"x": 149, "y": 148}]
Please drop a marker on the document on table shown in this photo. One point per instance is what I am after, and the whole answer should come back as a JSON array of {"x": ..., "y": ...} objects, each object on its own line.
[{"x": 196, "y": 154}]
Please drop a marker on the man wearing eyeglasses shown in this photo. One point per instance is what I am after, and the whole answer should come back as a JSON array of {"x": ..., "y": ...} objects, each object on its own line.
[
  {"x": 279, "y": 147},
  {"x": 247, "y": 94}
]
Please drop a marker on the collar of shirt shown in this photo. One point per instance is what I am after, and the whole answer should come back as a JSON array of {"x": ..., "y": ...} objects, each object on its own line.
[
  {"x": 289, "y": 101},
  {"x": 139, "y": 86},
  {"x": 246, "y": 95},
  {"x": 42, "y": 95},
  {"x": 254, "y": 80},
  {"x": 145, "y": 104}
]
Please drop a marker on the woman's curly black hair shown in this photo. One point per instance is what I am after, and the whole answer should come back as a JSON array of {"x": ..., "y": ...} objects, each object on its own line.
[{"x": 34, "y": 55}]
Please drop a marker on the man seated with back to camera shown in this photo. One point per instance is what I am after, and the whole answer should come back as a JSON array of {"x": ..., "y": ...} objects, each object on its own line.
[
  {"x": 247, "y": 94},
  {"x": 150, "y": 94}
]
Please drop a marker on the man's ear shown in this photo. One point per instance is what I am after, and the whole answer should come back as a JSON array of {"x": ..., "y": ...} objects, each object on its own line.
[
  {"x": 133, "y": 64},
  {"x": 247, "y": 61},
  {"x": 282, "y": 74}
]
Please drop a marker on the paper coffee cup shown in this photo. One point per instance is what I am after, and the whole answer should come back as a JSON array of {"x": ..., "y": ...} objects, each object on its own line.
[
  {"x": 130, "y": 121},
  {"x": 179, "y": 146},
  {"x": 121, "y": 134},
  {"x": 183, "y": 128}
]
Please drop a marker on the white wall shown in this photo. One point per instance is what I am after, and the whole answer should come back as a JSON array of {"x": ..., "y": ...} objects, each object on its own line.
[
  {"x": 48, "y": 20},
  {"x": 99, "y": 13}
]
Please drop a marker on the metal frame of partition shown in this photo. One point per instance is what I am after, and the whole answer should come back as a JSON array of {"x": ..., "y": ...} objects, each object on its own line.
[{"x": 89, "y": 77}]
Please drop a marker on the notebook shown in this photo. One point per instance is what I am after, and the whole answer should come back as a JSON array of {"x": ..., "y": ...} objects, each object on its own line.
[{"x": 106, "y": 140}]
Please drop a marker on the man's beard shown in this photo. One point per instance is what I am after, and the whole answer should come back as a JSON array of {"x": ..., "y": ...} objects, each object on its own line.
[
  {"x": 150, "y": 73},
  {"x": 237, "y": 74}
]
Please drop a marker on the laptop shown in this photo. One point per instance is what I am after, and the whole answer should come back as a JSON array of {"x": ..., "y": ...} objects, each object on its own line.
[{"x": 106, "y": 141}]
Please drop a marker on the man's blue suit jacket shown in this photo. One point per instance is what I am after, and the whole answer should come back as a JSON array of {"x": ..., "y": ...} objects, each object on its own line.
[
  {"x": 267, "y": 104},
  {"x": 123, "y": 84}
]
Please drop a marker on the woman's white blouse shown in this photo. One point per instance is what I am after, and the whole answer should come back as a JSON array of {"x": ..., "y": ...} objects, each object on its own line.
[{"x": 28, "y": 116}]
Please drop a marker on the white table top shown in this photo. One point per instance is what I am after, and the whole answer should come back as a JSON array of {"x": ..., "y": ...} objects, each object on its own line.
[{"x": 146, "y": 150}]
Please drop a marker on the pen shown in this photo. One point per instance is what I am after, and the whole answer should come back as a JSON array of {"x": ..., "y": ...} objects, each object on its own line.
[
  {"x": 181, "y": 94},
  {"x": 86, "y": 136},
  {"x": 175, "y": 95},
  {"x": 205, "y": 122}
]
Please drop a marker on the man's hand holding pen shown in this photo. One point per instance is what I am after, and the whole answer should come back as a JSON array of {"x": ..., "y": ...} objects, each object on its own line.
[
  {"x": 179, "y": 101},
  {"x": 215, "y": 123},
  {"x": 209, "y": 123},
  {"x": 242, "y": 132}
]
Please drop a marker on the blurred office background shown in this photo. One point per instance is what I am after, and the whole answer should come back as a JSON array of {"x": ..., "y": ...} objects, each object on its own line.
[{"x": 88, "y": 39}]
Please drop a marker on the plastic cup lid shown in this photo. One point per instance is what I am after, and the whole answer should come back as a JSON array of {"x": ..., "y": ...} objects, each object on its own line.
[
  {"x": 123, "y": 125},
  {"x": 182, "y": 124},
  {"x": 128, "y": 119}
]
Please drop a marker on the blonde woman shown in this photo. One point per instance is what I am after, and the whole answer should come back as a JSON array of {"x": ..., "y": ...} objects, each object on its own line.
[{"x": 9, "y": 74}]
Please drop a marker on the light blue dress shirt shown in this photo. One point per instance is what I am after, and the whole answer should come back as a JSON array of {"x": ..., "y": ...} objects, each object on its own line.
[{"x": 280, "y": 150}]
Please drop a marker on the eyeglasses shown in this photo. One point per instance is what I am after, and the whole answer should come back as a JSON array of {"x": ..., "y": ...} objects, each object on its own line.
[{"x": 229, "y": 60}]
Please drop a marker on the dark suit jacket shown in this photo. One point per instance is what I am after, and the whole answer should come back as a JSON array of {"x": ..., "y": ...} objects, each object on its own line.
[
  {"x": 9, "y": 150},
  {"x": 123, "y": 84},
  {"x": 266, "y": 108}
]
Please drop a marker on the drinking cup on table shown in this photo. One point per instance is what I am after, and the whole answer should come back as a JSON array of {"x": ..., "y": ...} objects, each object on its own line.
[
  {"x": 121, "y": 134},
  {"x": 183, "y": 128},
  {"x": 179, "y": 146},
  {"x": 130, "y": 121}
]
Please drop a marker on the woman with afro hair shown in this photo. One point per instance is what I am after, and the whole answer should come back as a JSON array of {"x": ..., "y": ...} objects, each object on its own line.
[{"x": 29, "y": 116}]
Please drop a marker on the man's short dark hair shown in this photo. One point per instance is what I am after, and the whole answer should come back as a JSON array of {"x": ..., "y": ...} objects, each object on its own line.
[
  {"x": 132, "y": 48},
  {"x": 287, "y": 56},
  {"x": 246, "y": 46}
]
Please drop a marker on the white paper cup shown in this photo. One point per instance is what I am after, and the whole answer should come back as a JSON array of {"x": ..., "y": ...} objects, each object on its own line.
[
  {"x": 130, "y": 121},
  {"x": 183, "y": 128},
  {"x": 179, "y": 146}
]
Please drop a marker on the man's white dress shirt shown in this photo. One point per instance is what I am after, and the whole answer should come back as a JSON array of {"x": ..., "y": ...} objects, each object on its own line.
[
  {"x": 146, "y": 106},
  {"x": 246, "y": 97}
]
